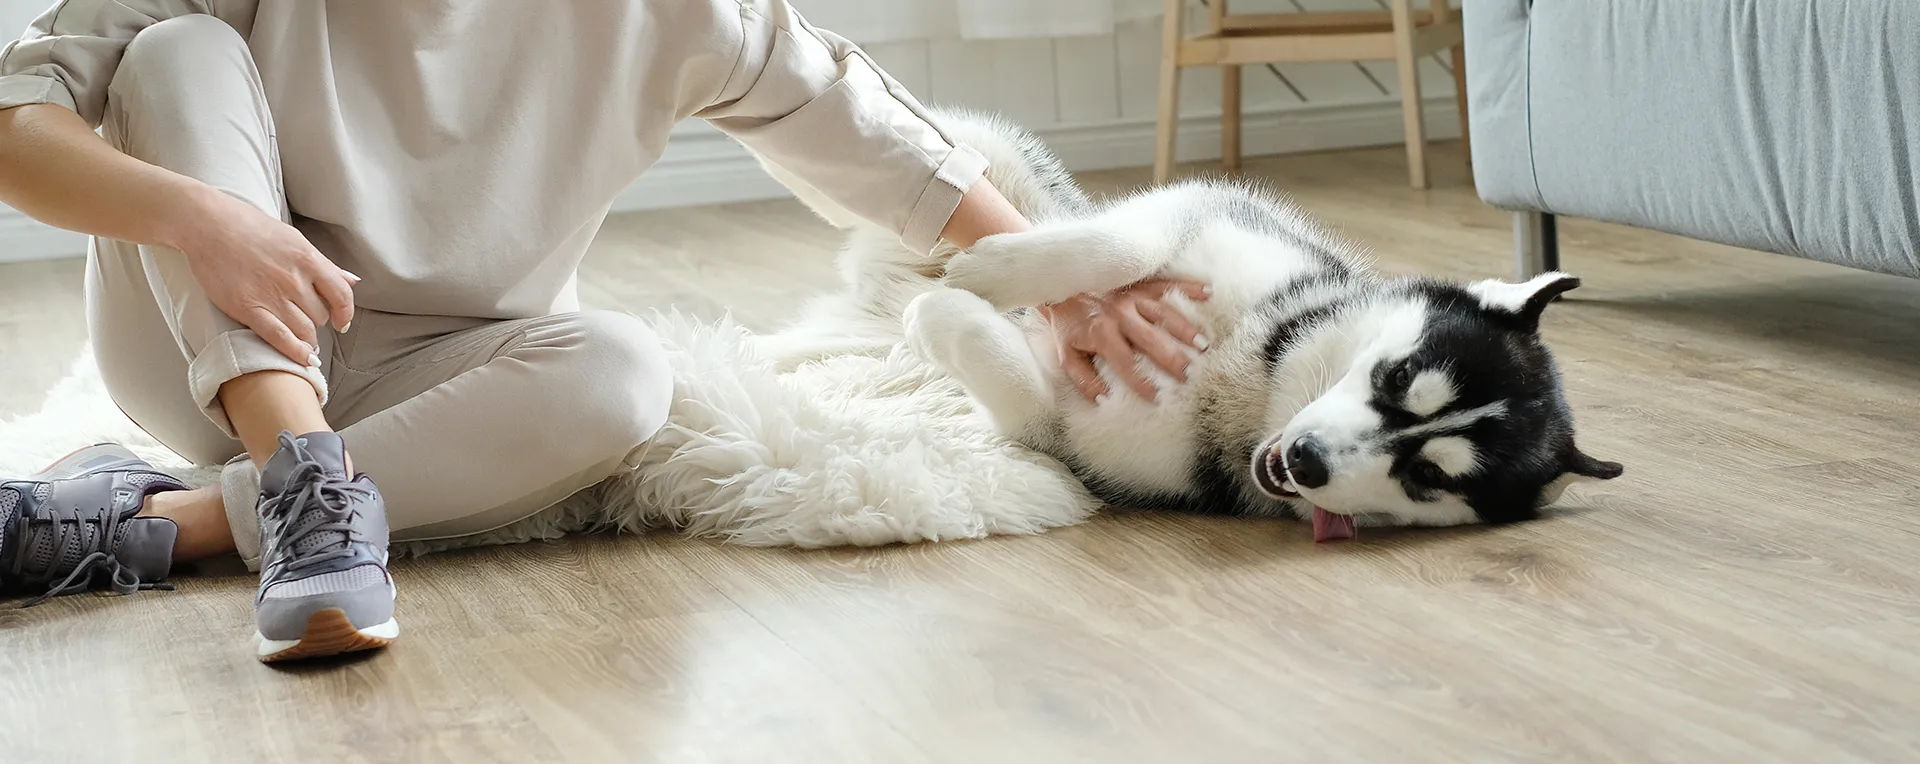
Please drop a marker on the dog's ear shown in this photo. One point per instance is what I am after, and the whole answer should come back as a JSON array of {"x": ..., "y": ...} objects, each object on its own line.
[
  {"x": 1579, "y": 463},
  {"x": 1523, "y": 302},
  {"x": 1578, "y": 467}
]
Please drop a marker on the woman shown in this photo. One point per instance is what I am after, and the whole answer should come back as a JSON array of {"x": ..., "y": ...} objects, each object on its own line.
[{"x": 335, "y": 244}]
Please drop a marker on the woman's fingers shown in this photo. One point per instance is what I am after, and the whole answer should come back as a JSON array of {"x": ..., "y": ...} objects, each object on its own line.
[
  {"x": 1172, "y": 322},
  {"x": 1156, "y": 342},
  {"x": 1158, "y": 288},
  {"x": 336, "y": 290},
  {"x": 1120, "y": 357},
  {"x": 296, "y": 319},
  {"x": 1079, "y": 368},
  {"x": 307, "y": 298},
  {"x": 1147, "y": 301},
  {"x": 271, "y": 328}
]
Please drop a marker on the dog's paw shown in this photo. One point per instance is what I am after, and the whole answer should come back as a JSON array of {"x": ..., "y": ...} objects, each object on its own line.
[
  {"x": 989, "y": 269},
  {"x": 1050, "y": 264},
  {"x": 1038, "y": 267}
]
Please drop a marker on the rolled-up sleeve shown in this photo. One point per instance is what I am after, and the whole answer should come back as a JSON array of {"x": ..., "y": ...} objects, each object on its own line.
[
  {"x": 68, "y": 55},
  {"x": 814, "y": 104}
]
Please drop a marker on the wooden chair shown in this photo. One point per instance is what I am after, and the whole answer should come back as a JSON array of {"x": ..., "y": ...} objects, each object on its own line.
[{"x": 1232, "y": 40}]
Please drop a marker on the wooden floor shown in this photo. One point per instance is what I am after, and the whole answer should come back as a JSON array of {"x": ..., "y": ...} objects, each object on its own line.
[{"x": 1749, "y": 591}]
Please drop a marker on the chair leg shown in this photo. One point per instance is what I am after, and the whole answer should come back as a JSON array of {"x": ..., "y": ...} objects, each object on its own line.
[
  {"x": 1230, "y": 82},
  {"x": 1443, "y": 12},
  {"x": 1460, "y": 99},
  {"x": 1230, "y": 118},
  {"x": 1410, "y": 106},
  {"x": 1171, "y": 34},
  {"x": 1536, "y": 244}
]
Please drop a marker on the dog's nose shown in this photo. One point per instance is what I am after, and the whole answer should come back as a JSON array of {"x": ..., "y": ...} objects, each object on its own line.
[{"x": 1307, "y": 462}]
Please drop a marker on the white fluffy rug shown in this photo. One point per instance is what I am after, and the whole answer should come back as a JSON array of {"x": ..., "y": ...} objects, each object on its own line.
[{"x": 854, "y": 450}]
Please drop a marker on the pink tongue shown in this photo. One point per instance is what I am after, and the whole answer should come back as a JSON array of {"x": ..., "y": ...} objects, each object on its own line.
[{"x": 1328, "y": 526}]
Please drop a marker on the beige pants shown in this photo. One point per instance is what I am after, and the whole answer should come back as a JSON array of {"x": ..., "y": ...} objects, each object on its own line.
[{"x": 465, "y": 424}]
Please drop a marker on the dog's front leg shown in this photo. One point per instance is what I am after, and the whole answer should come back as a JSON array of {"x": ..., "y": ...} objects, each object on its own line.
[
  {"x": 1124, "y": 244},
  {"x": 967, "y": 339}
]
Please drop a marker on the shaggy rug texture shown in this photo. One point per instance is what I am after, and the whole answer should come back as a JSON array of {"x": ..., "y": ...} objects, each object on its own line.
[{"x": 862, "y": 448}]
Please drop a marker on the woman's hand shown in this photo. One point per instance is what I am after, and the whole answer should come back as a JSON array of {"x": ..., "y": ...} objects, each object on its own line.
[
  {"x": 265, "y": 274},
  {"x": 1115, "y": 327},
  {"x": 256, "y": 269}
]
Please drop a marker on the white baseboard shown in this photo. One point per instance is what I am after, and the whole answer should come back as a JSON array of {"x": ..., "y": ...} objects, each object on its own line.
[
  {"x": 22, "y": 238},
  {"x": 704, "y": 166},
  {"x": 707, "y": 167},
  {"x": 1319, "y": 127}
]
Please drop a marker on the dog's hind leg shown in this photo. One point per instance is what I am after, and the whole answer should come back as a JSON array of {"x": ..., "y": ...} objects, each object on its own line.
[{"x": 967, "y": 339}]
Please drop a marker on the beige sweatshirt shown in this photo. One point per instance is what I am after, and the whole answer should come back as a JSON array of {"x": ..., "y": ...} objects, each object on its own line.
[{"x": 459, "y": 155}]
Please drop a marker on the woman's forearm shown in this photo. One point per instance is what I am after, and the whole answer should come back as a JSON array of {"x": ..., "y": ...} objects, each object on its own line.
[
  {"x": 982, "y": 212},
  {"x": 56, "y": 170}
]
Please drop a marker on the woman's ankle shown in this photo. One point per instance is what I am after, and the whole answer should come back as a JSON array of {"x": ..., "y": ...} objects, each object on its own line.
[
  {"x": 201, "y": 517},
  {"x": 264, "y": 404}
]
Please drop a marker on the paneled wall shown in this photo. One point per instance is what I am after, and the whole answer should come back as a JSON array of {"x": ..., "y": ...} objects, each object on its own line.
[
  {"x": 1100, "y": 80},
  {"x": 1092, "y": 98}
]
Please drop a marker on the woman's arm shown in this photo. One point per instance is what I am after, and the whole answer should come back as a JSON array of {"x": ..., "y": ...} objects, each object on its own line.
[
  {"x": 56, "y": 170},
  {"x": 255, "y": 268},
  {"x": 982, "y": 212},
  {"x": 817, "y": 107},
  {"x": 54, "y": 83}
]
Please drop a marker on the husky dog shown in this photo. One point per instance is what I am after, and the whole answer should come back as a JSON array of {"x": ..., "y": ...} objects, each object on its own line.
[{"x": 1326, "y": 389}]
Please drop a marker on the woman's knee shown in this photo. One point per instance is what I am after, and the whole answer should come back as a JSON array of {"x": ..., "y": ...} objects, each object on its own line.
[
  {"x": 178, "y": 48},
  {"x": 624, "y": 383},
  {"x": 179, "y": 73}
]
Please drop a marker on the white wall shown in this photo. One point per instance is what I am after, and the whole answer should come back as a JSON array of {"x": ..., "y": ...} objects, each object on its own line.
[{"x": 1092, "y": 98}]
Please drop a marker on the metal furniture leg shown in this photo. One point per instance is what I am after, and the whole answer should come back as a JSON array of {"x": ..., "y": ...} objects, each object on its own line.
[{"x": 1536, "y": 244}]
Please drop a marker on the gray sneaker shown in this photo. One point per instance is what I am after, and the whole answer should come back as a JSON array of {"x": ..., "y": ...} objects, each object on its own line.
[
  {"x": 324, "y": 585},
  {"x": 73, "y": 526}
]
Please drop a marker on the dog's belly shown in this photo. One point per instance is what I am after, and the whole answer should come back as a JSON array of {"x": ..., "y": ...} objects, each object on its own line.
[
  {"x": 1130, "y": 443},
  {"x": 1139, "y": 446}
]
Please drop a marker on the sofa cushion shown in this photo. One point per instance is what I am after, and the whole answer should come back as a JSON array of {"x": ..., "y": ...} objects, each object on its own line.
[{"x": 1780, "y": 125}]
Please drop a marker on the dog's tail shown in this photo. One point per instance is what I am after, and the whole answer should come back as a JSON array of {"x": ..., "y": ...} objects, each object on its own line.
[{"x": 1029, "y": 175}]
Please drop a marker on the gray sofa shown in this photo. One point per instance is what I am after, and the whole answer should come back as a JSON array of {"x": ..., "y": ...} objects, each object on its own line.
[{"x": 1788, "y": 126}]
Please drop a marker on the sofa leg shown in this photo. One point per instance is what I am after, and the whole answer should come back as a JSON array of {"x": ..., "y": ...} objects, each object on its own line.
[{"x": 1536, "y": 243}]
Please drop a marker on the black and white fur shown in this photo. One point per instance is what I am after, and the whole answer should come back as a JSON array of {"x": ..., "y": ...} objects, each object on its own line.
[{"x": 1400, "y": 401}]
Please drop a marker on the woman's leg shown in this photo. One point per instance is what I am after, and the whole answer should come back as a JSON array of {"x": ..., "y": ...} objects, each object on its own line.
[
  {"x": 471, "y": 424},
  {"x": 466, "y": 424},
  {"x": 201, "y": 516},
  {"x": 186, "y": 97}
]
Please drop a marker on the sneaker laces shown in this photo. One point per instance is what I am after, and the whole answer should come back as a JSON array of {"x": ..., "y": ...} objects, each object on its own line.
[
  {"x": 67, "y": 539},
  {"x": 322, "y": 504}
]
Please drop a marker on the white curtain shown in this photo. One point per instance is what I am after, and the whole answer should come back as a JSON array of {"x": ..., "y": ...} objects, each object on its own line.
[{"x": 880, "y": 21}]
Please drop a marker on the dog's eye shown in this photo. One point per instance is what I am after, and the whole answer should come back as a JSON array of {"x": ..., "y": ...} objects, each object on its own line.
[
  {"x": 1402, "y": 377},
  {"x": 1427, "y": 473}
]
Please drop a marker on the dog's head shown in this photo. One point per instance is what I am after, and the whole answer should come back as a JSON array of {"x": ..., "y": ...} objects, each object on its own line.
[{"x": 1445, "y": 407}]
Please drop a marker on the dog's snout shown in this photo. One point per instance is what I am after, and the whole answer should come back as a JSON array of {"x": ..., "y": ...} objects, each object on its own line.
[{"x": 1307, "y": 462}]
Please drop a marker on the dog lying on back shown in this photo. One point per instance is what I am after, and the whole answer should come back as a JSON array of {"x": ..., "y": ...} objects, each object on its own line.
[{"x": 1328, "y": 390}]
